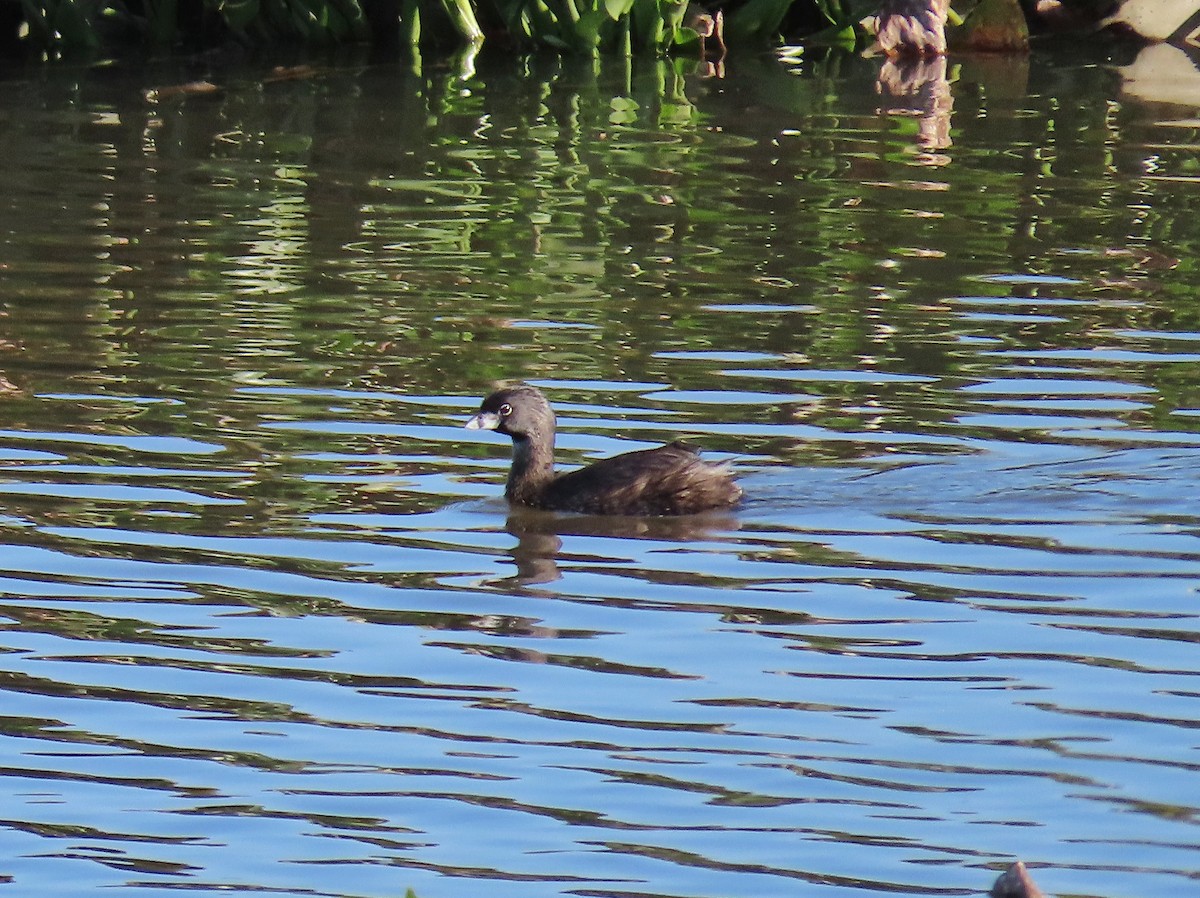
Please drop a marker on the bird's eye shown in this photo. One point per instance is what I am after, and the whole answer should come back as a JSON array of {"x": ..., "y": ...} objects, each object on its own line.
[{"x": 505, "y": 410}]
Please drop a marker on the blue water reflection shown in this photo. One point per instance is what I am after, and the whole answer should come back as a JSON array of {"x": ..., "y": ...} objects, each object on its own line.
[{"x": 269, "y": 626}]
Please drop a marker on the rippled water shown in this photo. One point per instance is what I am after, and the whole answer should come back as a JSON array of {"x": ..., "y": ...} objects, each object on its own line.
[{"x": 269, "y": 626}]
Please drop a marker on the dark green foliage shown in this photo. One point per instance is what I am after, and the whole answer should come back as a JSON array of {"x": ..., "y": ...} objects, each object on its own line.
[
  {"x": 585, "y": 27},
  {"x": 758, "y": 19},
  {"x": 592, "y": 26},
  {"x": 312, "y": 21},
  {"x": 71, "y": 22}
]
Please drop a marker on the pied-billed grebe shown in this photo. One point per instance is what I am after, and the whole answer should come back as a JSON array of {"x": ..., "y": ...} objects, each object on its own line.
[
  {"x": 1015, "y": 882},
  {"x": 669, "y": 480}
]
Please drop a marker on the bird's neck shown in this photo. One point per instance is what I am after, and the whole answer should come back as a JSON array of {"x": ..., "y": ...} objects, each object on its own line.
[{"x": 532, "y": 468}]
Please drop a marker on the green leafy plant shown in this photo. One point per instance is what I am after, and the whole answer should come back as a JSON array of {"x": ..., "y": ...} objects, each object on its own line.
[
  {"x": 70, "y": 22},
  {"x": 583, "y": 27}
]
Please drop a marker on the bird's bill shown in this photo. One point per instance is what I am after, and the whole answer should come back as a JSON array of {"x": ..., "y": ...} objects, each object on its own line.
[{"x": 484, "y": 421}]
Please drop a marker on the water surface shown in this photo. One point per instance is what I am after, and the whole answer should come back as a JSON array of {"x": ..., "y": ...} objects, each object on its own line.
[{"x": 270, "y": 628}]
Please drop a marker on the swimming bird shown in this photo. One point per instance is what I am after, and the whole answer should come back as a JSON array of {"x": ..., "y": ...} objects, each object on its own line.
[
  {"x": 669, "y": 480},
  {"x": 1015, "y": 882}
]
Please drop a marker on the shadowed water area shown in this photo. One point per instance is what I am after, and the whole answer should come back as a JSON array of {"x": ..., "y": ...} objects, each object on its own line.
[{"x": 269, "y": 627}]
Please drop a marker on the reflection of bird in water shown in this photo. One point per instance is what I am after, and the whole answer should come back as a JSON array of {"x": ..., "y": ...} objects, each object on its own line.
[
  {"x": 539, "y": 549},
  {"x": 912, "y": 27},
  {"x": 669, "y": 480},
  {"x": 706, "y": 24},
  {"x": 536, "y": 552},
  {"x": 1015, "y": 882}
]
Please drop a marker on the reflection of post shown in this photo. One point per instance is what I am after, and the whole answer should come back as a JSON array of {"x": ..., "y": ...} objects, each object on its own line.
[
  {"x": 918, "y": 87},
  {"x": 1163, "y": 74},
  {"x": 912, "y": 34}
]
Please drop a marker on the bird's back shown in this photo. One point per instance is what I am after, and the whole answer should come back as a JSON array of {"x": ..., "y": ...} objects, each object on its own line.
[{"x": 669, "y": 480}]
